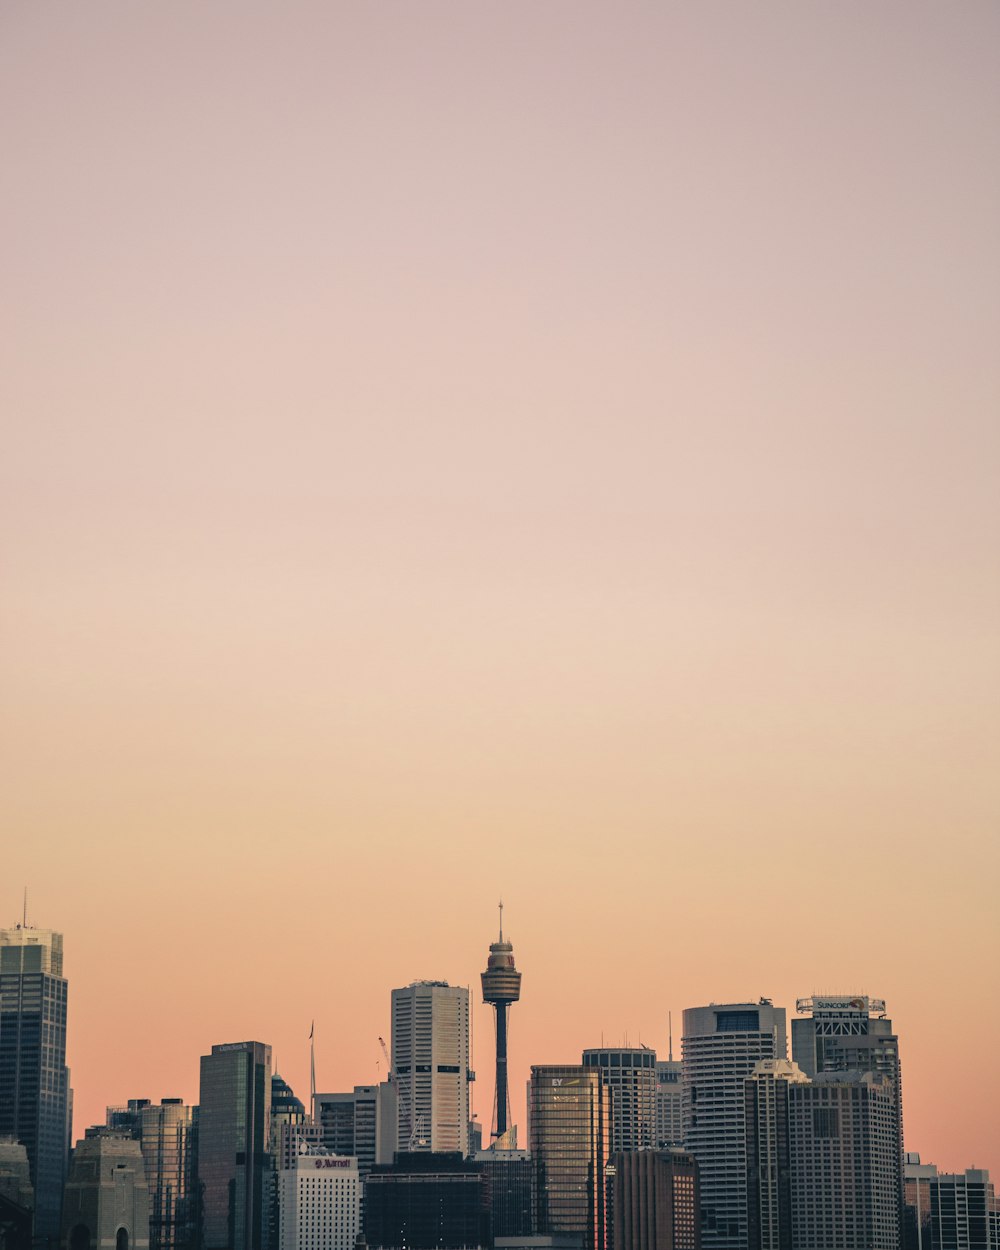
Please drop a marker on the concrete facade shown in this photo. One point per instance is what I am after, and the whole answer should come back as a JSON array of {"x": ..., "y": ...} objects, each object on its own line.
[{"x": 106, "y": 1204}]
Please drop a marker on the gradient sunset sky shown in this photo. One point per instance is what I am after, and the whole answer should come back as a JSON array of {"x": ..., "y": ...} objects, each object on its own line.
[{"x": 539, "y": 449}]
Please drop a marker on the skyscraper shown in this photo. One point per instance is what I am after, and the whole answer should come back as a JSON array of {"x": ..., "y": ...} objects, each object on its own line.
[
  {"x": 319, "y": 1202},
  {"x": 167, "y": 1141},
  {"x": 361, "y": 1124},
  {"x": 721, "y": 1045},
  {"x": 233, "y": 1141},
  {"x": 569, "y": 1113},
  {"x": 655, "y": 1201},
  {"x": 501, "y": 987},
  {"x": 842, "y": 1153},
  {"x": 630, "y": 1075},
  {"x": 845, "y": 1034},
  {"x": 34, "y": 1079},
  {"x": 769, "y": 1179},
  {"x": 430, "y": 1066}
]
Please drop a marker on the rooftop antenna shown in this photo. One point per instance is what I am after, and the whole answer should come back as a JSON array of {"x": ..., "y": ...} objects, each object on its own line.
[
  {"x": 312, "y": 1070},
  {"x": 501, "y": 920},
  {"x": 670, "y": 1027},
  {"x": 25, "y": 924}
]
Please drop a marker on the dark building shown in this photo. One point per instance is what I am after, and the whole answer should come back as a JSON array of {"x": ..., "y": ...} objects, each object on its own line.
[
  {"x": 655, "y": 1198},
  {"x": 569, "y": 1115},
  {"x": 15, "y": 1225},
  {"x": 768, "y": 1151},
  {"x": 510, "y": 1184},
  {"x": 17, "y": 1198},
  {"x": 34, "y": 1079},
  {"x": 233, "y": 1140},
  {"x": 427, "y": 1201}
]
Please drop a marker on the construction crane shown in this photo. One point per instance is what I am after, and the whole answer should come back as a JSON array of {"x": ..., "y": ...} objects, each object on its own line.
[{"x": 404, "y": 1100}]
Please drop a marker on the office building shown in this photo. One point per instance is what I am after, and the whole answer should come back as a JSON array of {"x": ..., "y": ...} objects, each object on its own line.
[
  {"x": 427, "y": 1201},
  {"x": 510, "y": 1186},
  {"x": 34, "y": 1079},
  {"x": 843, "y": 1163},
  {"x": 319, "y": 1202},
  {"x": 569, "y": 1127},
  {"x": 917, "y": 1202},
  {"x": 430, "y": 1066},
  {"x": 961, "y": 1206},
  {"x": 501, "y": 987},
  {"x": 234, "y": 1135},
  {"x": 842, "y": 1033},
  {"x": 361, "y": 1124},
  {"x": 655, "y": 1201},
  {"x": 669, "y": 1103},
  {"x": 769, "y": 1195},
  {"x": 167, "y": 1138},
  {"x": 106, "y": 1204},
  {"x": 720, "y": 1047},
  {"x": 630, "y": 1075}
]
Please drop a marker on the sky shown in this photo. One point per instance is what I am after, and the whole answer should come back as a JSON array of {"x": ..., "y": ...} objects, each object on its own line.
[{"x": 541, "y": 450}]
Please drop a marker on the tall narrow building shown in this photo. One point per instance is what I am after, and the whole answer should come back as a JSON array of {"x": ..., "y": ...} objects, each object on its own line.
[
  {"x": 769, "y": 1177},
  {"x": 569, "y": 1115},
  {"x": 501, "y": 987},
  {"x": 430, "y": 1066},
  {"x": 720, "y": 1047},
  {"x": 34, "y": 1079},
  {"x": 233, "y": 1142}
]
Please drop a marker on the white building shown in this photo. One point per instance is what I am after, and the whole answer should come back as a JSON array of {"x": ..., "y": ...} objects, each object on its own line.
[
  {"x": 319, "y": 1202},
  {"x": 721, "y": 1045},
  {"x": 430, "y": 1066}
]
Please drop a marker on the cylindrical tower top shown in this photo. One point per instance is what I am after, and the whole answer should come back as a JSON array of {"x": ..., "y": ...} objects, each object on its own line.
[{"x": 501, "y": 980}]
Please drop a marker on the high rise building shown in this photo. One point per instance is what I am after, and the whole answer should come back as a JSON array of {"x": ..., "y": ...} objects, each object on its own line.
[
  {"x": 669, "y": 1104},
  {"x": 630, "y": 1075},
  {"x": 167, "y": 1138},
  {"x": 720, "y": 1047},
  {"x": 846, "y": 1034},
  {"x": 769, "y": 1179},
  {"x": 842, "y": 1152},
  {"x": 655, "y": 1201},
  {"x": 958, "y": 1212},
  {"x": 319, "y": 1202},
  {"x": 427, "y": 1201},
  {"x": 234, "y": 1136},
  {"x": 501, "y": 987},
  {"x": 510, "y": 1184},
  {"x": 430, "y": 1066},
  {"x": 107, "y": 1199},
  {"x": 569, "y": 1115},
  {"x": 361, "y": 1124},
  {"x": 917, "y": 1179},
  {"x": 34, "y": 1079}
]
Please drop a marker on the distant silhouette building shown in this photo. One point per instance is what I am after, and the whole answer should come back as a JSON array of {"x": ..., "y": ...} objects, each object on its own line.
[
  {"x": 34, "y": 1080},
  {"x": 106, "y": 1204},
  {"x": 655, "y": 1200},
  {"x": 430, "y": 1066},
  {"x": 234, "y": 1135},
  {"x": 501, "y": 987},
  {"x": 842, "y": 1152},
  {"x": 721, "y": 1045},
  {"x": 510, "y": 1182},
  {"x": 569, "y": 1124},
  {"x": 319, "y": 1202},
  {"x": 427, "y": 1201}
]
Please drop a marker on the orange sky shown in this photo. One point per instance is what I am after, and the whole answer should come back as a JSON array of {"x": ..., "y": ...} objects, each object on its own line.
[{"x": 549, "y": 450}]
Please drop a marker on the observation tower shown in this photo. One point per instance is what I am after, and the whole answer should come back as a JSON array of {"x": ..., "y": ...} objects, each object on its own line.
[{"x": 501, "y": 987}]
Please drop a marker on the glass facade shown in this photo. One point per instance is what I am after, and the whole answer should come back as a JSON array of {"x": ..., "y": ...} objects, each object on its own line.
[
  {"x": 167, "y": 1138},
  {"x": 34, "y": 1079},
  {"x": 569, "y": 1114},
  {"x": 233, "y": 1142}
]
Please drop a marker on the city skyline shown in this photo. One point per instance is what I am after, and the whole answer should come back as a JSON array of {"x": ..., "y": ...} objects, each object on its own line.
[
  {"x": 931, "y": 1146},
  {"x": 542, "y": 451}
]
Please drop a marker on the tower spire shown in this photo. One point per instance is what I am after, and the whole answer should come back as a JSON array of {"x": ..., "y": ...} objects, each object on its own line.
[
  {"x": 501, "y": 987},
  {"x": 670, "y": 1026},
  {"x": 501, "y": 920}
]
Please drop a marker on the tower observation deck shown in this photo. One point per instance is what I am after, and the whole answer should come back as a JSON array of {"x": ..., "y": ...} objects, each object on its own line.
[{"x": 501, "y": 987}]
